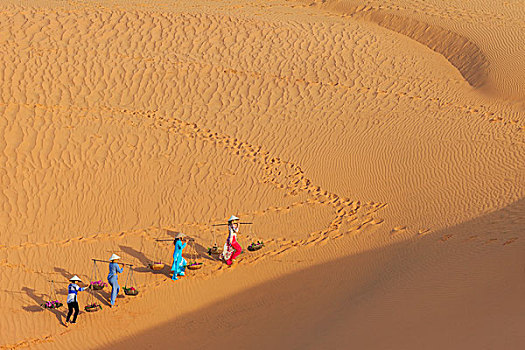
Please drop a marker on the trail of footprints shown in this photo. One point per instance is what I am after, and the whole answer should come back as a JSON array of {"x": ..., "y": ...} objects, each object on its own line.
[{"x": 282, "y": 174}]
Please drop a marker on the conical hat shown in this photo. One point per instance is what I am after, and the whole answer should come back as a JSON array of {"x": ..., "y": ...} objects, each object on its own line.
[
  {"x": 233, "y": 218},
  {"x": 75, "y": 278},
  {"x": 180, "y": 235},
  {"x": 114, "y": 257}
]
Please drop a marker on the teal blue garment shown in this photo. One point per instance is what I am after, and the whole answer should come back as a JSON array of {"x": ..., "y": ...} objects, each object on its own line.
[
  {"x": 179, "y": 263},
  {"x": 113, "y": 280}
]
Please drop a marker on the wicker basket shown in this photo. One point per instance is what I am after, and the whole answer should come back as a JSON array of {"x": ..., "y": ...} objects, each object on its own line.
[
  {"x": 97, "y": 286},
  {"x": 129, "y": 291},
  {"x": 156, "y": 266},
  {"x": 214, "y": 250},
  {"x": 254, "y": 247},
  {"x": 195, "y": 266},
  {"x": 93, "y": 308}
]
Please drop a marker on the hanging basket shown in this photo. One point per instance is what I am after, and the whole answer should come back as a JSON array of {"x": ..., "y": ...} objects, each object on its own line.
[
  {"x": 195, "y": 265},
  {"x": 255, "y": 246},
  {"x": 53, "y": 304},
  {"x": 97, "y": 285},
  {"x": 214, "y": 250},
  {"x": 130, "y": 291},
  {"x": 156, "y": 266},
  {"x": 92, "y": 307}
]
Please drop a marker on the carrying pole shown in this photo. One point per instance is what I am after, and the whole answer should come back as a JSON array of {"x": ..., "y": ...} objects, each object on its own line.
[
  {"x": 240, "y": 223},
  {"x": 107, "y": 261}
]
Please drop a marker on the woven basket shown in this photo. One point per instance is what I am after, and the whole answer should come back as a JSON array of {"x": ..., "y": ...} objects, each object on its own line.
[
  {"x": 253, "y": 248},
  {"x": 156, "y": 266},
  {"x": 97, "y": 286},
  {"x": 214, "y": 250},
  {"x": 129, "y": 291},
  {"x": 92, "y": 308},
  {"x": 195, "y": 266}
]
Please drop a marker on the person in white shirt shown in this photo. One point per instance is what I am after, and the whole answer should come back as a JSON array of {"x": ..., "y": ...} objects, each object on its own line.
[{"x": 72, "y": 302}]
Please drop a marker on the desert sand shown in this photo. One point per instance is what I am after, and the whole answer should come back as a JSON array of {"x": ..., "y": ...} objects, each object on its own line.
[{"x": 378, "y": 147}]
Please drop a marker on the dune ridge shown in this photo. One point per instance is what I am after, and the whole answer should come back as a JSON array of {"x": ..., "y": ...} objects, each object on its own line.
[
  {"x": 471, "y": 35},
  {"x": 345, "y": 143}
]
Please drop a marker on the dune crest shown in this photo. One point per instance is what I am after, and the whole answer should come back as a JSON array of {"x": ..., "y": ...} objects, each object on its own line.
[
  {"x": 459, "y": 51},
  {"x": 481, "y": 38},
  {"x": 362, "y": 147}
]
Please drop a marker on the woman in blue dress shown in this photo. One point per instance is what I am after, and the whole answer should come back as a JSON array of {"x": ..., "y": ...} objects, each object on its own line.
[
  {"x": 114, "y": 269},
  {"x": 179, "y": 263}
]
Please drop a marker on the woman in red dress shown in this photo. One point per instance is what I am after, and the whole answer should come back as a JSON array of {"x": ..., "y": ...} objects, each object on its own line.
[{"x": 232, "y": 248}]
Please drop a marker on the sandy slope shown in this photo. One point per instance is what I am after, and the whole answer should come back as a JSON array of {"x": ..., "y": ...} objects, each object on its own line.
[
  {"x": 421, "y": 295},
  {"x": 482, "y": 38},
  {"x": 396, "y": 148}
]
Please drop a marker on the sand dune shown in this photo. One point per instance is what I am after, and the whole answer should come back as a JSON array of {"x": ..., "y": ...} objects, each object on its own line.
[
  {"x": 481, "y": 38},
  {"x": 378, "y": 148},
  {"x": 403, "y": 304}
]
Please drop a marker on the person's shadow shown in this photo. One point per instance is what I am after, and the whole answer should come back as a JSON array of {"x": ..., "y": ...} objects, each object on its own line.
[
  {"x": 66, "y": 274},
  {"x": 39, "y": 299},
  {"x": 202, "y": 252},
  {"x": 145, "y": 261}
]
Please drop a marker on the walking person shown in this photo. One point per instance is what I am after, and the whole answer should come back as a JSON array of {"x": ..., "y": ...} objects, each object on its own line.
[
  {"x": 72, "y": 303},
  {"x": 232, "y": 248},
  {"x": 179, "y": 263},
  {"x": 114, "y": 269}
]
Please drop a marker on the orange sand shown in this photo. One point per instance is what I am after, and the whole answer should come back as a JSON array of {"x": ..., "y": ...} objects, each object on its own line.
[{"x": 378, "y": 147}]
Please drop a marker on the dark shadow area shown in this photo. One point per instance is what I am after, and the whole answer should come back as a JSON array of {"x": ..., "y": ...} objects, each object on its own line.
[
  {"x": 20, "y": 296},
  {"x": 66, "y": 274},
  {"x": 202, "y": 252},
  {"x": 140, "y": 256},
  {"x": 103, "y": 296},
  {"x": 146, "y": 261},
  {"x": 407, "y": 295},
  {"x": 40, "y": 299}
]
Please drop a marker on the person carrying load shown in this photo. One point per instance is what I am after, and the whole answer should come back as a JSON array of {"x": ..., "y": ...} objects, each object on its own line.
[
  {"x": 232, "y": 248},
  {"x": 179, "y": 263},
  {"x": 72, "y": 302},
  {"x": 114, "y": 269}
]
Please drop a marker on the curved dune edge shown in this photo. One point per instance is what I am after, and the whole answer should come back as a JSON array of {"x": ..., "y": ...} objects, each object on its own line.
[
  {"x": 459, "y": 51},
  {"x": 463, "y": 54},
  {"x": 144, "y": 134}
]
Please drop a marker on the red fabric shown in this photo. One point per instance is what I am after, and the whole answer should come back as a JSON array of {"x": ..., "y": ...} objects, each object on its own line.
[{"x": 238, "y": 249}]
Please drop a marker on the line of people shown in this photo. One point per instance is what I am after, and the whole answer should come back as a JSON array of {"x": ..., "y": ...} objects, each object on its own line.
[{"x": 231, "y": 251}]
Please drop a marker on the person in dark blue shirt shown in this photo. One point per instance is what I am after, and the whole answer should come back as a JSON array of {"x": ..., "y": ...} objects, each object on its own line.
[{"x": 72, "y": 302}]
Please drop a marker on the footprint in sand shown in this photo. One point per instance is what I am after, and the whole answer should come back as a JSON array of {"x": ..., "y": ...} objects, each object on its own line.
[
  {"x": 512, "y": 240},
  {"x": 423, "y": 231},
  {"x": 398, "y": 229},
  {"x": 377, "y": 221},
  {"x": 446, "y": 238},
  {"x": 490, "y": 240}
]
